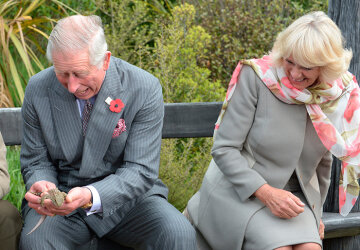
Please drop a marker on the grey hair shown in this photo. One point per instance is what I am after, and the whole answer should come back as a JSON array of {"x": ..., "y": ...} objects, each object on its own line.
[{"x": 78, "y": 33}]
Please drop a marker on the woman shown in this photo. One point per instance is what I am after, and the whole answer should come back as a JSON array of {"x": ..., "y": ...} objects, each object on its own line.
[{"x": 283, "y": 117}]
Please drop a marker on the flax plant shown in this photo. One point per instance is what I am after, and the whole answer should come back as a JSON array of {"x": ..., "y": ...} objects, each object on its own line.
[{"x": 21, "y": 36}]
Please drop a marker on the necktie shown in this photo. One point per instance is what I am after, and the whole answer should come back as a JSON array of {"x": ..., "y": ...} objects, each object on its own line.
[{"x": 86, "y": 116}]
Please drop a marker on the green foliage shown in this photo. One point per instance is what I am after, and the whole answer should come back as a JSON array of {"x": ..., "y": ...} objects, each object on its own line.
[
  {"x": 130, "y": 29},
  {"x": 21, "y": 34},
  {"x": 244, "y": 29},
  {"x": 180, "y": 65},
  {"x": 183, "y": 165},
  {"x": 17, "y": 187},
  {"x": 180, "y": 58}
]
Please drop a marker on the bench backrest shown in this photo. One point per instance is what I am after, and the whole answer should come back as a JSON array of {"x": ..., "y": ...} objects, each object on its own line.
[{"x": 180, "y": 120}]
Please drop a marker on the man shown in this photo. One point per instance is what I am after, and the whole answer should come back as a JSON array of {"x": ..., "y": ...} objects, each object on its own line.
[
  {"x": 10, "y": 219},
  {"x": 92, "y": 128}
]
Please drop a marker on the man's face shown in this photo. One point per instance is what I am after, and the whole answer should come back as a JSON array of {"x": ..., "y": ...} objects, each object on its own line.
[{"x": 77, "y": 75}]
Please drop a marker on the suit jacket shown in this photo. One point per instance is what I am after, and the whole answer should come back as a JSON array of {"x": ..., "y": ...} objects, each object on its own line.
[
  {"x": 4, "y": 174},
  {"x": 123, "y": 169},
  {"x": 260, "y": 140}
]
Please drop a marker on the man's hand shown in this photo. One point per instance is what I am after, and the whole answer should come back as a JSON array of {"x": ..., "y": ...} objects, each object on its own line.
[
  {"x": 32, "y": 196},
  {"x": 281, "y": 203},
  {"x": 321, "y": 230},
  {"x": 77, "y": 197}
]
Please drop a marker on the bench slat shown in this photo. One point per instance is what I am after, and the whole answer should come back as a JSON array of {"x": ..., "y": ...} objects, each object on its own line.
[
  {"x": 11, "y": 125},
  {"x": 337, "y": 225},
  {"x": 181, "y": 120},
  {"x": 190, "y": 119}
]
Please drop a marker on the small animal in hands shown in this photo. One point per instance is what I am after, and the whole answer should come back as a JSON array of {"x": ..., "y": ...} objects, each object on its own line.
[{"x": 56, "y": 196}]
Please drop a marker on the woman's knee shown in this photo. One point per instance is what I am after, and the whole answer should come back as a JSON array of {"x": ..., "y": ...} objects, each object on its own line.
[
  {"x": 284, "y": 248},
  {"x": 10, "y": 220},
  {"x": 307, "y": 246}
]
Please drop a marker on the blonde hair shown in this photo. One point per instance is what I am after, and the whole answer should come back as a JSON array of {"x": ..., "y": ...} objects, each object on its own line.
[{"x": 314, "y": 40}]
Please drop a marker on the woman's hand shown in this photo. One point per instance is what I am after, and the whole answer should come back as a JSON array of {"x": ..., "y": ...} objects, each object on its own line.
[
  {"x": 281, "y": 203},
  {"x": 321, "y": 230}
]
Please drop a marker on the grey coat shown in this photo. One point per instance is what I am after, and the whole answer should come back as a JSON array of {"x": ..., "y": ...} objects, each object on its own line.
[
  {"x": 260, "y": 140},
  {"x": 4, "y": 174},
  {"x": 124, "y": 169}
]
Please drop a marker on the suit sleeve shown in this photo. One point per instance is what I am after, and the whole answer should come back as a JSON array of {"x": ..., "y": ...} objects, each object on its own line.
[
  {"x": 4, "y": 174},
  {"x": 139, "y": 169},
  {"x": 35, "y": 160},
  {"x": 232, "y": 133}
]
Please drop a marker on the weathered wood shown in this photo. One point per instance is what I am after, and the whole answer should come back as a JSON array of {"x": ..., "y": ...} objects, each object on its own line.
[
  {"x": 190, "y": 119},
  {"x": 338, "y": 226},
  {"x": 11, "y": 125},
  {"x": 346, "y": 14},
  {"x": 181, "y": 120}
]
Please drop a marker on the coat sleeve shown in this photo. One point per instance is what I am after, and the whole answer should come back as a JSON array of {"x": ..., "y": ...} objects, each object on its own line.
[
  {"x": 4, "y": 174},
  {"x": 323, "y": 172},
  {"x": 36, "y": 163},
  {"x": 232, "y": 133}
]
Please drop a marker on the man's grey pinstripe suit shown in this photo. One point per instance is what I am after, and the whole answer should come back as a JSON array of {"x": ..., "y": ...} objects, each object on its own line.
[{"x": 124, "y": 170}]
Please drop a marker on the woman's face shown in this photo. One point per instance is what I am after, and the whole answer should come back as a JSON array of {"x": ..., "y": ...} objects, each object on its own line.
[{"x": 300, "y": 77}]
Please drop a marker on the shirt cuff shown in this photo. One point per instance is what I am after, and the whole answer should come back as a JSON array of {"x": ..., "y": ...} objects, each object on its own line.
[{"x": 96, "y": 207}]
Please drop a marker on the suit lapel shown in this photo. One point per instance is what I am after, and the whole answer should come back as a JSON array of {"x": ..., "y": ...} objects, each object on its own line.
[
  {"x": 101, "y": 124},
  {"x": 65, "y": 113}
]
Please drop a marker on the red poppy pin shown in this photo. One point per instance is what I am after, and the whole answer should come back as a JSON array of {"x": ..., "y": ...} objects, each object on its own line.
[{"x": 115, "y": 105}]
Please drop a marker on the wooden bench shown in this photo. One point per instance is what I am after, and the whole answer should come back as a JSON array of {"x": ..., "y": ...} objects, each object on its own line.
[{"x": 197, "y": 120}]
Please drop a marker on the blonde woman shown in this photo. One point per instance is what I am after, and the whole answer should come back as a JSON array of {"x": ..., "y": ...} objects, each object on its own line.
[{"x": 283, "y": 117}]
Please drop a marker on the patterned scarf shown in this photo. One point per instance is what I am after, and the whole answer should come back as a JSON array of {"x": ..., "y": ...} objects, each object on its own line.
[{"x": 334, "y": 109}]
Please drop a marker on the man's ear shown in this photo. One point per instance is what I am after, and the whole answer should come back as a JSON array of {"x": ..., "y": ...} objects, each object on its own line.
[{"x": 106, "y": 60}]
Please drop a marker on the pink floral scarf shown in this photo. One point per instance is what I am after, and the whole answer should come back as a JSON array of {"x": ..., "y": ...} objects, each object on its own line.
[{"x": 334, "y": 109}]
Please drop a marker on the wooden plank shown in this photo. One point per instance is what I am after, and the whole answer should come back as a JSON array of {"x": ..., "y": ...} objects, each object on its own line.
[
  {"x": 337, "y": 225},
  {"x": 181, "y": 120},
  {"x": 190, "y": 119},
  {"x": 11, "y": 125}
]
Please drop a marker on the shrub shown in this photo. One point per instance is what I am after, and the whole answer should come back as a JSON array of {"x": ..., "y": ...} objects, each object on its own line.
[
  {"x": 245, "y": 29},
  {"x": 22, "y": 31},
  {"x": 180, "y": 59},
  {"x": 130, "y": 29}
]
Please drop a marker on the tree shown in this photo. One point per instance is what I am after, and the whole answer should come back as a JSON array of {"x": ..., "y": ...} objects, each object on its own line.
[{"x": 346, "y": 14}]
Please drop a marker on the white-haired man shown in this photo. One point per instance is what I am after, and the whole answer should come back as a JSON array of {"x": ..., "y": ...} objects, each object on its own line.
[{"x": 92, "y": 128}]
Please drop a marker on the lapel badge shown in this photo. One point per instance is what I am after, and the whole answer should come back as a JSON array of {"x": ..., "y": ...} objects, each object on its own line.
[{"x": 115, "y": 105}]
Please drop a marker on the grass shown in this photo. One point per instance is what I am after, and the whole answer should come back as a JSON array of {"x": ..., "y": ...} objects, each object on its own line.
[
  {"x": 17, "y": 187},
  {"x": 182, "y": 175}
]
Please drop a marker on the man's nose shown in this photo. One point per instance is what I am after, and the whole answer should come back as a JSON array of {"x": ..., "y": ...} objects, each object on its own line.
[{"x": 73, "y": 84}]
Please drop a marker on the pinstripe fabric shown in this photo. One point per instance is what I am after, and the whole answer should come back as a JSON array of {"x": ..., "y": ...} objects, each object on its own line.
[
  {"x": 124, "y": 169},
  {"x": 152, "y": 224}
]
